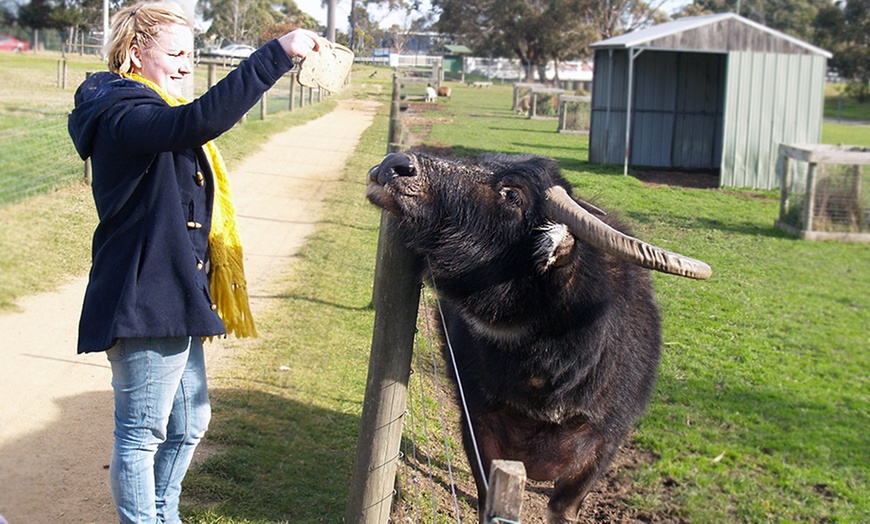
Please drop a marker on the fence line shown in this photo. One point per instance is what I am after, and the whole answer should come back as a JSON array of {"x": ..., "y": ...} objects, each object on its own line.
[
  {"x": 38, "y": 156},
  {"x": 388, "y": 413}
]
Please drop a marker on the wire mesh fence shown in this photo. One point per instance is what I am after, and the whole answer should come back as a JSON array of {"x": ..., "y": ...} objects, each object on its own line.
[
  {"x": 575, "y": 114},
  {"x": 434, "y": 481},
  {"x": 37, "y": 153},
  {"x": 826, "y": 192}
]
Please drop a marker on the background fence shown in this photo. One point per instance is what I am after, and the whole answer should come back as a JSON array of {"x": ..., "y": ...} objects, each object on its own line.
[
  {"x": 37, "y": 154},
  {"x": 410, "y": 464}
]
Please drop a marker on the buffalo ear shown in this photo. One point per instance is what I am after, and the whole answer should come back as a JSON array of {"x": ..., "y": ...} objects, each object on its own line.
[
  {"x": 554, "y": 246},
  {"x": 562, "y": 253}
]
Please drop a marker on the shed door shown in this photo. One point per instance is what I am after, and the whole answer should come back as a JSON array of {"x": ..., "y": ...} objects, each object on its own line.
[
  {"x": 700, "y": 103},
  {"x": 678, "y": 107}
]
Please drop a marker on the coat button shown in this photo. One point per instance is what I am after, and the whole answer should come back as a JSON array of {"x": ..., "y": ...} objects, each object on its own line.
[
  {"x": 200, "y": 180},
  {"x": 214, "y": 307},
  {"x": 199, "y": 265},
  {"x": 193, "y": 225}
]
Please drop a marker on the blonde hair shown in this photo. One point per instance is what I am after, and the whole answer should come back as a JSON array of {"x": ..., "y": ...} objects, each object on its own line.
[{"x": 138, "y": 24}]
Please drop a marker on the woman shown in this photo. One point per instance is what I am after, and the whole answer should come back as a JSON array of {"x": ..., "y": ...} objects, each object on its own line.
[{"x": 166, "y": 257}]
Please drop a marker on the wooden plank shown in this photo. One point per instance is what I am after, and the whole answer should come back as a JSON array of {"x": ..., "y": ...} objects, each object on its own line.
[
  {"x": 827, "y": 154},
  {"x": 396, "y": 299},
  {"x": 504, "y": 500}
]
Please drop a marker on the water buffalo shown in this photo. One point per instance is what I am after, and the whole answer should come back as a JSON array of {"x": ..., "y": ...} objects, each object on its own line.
[{"x": 548, "y": 309}]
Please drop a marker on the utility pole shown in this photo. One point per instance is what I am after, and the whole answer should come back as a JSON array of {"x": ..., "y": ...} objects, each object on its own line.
[
  {"x": 330, "y": 21},
  {"x": 105, "y": 28}
]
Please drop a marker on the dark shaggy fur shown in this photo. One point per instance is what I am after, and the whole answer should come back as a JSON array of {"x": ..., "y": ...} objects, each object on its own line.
[{"x": 556, "y": 343}]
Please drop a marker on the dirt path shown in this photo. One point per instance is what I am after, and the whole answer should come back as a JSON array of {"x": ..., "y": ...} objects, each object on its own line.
[{"x": 56, "y": 407}]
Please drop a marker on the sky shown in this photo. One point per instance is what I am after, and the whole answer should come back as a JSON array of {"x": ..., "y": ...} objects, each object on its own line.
[{"x": 315, "y": 9}]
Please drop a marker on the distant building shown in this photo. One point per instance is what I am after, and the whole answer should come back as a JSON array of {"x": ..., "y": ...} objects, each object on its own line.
[{"x": 716, "y": 92}]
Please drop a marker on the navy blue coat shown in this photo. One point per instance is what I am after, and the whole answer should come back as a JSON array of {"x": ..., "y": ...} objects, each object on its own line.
[{"x": 151, "y": 179}]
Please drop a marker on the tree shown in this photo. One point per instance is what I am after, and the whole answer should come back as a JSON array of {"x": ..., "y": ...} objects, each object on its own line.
[
  {"x": 793, "y": 17},
  {"x": 844, "y": 29},
  {"x": 537, "y": 31},
  {"x": 8, "y": 13},
  {"x": 251, "y": 21},
  {"x": 36, "y": 15},
  {"x": 367, "y": 32},
  {"x": 615, "y": 17}
]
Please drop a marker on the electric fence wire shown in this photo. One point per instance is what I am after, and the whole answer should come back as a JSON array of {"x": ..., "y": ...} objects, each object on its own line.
[
  {"x": 412, "y": 465},
  {"x": 461, "y": 390},
  {"x": 429, "y": 337},
  {"x": 425, "y": 420}
]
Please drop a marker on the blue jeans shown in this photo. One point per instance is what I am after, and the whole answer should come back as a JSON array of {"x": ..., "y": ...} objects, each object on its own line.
[{"x": 161, "y": 413}]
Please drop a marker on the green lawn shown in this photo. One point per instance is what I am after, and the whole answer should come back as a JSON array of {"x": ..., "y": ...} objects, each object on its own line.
[
  {"x": 844, "y": 107},
  {"x": 846, "y": 134},
  {"x": 763, "y": 399}
]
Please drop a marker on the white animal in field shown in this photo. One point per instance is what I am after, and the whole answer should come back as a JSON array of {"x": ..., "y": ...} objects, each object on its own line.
[{"x": 431, "y": 94}]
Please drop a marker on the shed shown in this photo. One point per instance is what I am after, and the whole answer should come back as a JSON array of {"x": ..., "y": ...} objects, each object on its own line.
[
  {"x": 714, "y": 92},
  {"x": 454, "y": 59}
]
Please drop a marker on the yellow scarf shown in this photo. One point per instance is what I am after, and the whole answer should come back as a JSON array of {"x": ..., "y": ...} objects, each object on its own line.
[{"x": 227, "y": 277}]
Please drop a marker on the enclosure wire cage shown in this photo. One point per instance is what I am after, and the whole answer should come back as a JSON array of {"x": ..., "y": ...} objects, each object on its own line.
[{"x": 826, "y": 193}]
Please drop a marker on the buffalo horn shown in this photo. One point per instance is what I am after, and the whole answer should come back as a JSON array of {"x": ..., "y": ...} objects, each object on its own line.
[{"x": 591, "y": 230}]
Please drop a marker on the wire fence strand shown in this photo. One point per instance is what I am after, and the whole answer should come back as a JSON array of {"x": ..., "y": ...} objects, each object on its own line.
[{"x": 37, "y": 155}]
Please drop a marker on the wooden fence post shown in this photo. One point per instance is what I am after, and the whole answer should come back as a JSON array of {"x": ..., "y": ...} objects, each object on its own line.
[
  {"x": 394, "y": 134},
  {"x": 396, "y": 298},
  {"x": 212, "y": 74},
  {"x": 809, "y": 203},
  {"x": 62, "y": 73},
  {"x": 504, "y": 500},
  {"x": 263, "y": 105},
  {"x": 292, "y": 89}
]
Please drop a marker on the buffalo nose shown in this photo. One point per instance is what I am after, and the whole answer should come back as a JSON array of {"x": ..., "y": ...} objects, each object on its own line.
[{"x": 393, "y": 165}]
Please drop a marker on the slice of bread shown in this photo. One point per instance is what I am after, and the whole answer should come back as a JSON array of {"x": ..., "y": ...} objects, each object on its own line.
[{"x": 327, "y": 67}]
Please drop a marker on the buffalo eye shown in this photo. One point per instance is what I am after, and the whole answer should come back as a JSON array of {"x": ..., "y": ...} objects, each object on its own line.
[{"x": 512, "y": 196}]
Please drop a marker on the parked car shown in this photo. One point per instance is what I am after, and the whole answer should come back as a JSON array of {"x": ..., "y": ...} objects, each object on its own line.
[
  {"x": 232, "y": 51},
  {"x": 10, "y": 43}
]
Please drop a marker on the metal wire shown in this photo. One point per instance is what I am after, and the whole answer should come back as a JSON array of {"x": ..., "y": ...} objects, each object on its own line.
[
  {"x": 36, "y": 155},
  {"x": 461, "y": 390},
  {"x": 430, "y": 337}
]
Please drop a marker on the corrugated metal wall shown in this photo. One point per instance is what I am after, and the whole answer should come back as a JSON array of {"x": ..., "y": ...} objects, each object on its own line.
[
  {"x": 771, "y": 99},
  {"x": 607, "y": 126},
  {"x": 677, "y": 109},
  {"x": 700, "y": 110},
  {"x": 655, "y": 98}
]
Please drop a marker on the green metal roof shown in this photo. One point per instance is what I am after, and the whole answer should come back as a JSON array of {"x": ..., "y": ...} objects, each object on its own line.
[{"x": 458, "y": 49}]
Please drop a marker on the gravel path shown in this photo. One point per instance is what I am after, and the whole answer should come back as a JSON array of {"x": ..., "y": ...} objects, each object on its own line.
[{"x": 56, "y": 406}]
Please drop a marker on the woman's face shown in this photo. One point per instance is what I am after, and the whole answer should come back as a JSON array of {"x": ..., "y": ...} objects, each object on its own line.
[{"x": 166, "y": 58}]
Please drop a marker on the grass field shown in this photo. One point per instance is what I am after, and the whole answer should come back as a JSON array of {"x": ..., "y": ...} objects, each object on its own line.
[
  {"x": 843, "y": 107},
  {"x": 763, "y": 398}
]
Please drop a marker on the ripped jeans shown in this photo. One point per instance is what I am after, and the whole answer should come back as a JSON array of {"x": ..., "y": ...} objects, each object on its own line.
[{"x": 161, "y": 412}]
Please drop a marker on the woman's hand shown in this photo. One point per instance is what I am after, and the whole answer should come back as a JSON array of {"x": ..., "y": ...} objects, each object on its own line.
[{"x": 299, "y": 42}]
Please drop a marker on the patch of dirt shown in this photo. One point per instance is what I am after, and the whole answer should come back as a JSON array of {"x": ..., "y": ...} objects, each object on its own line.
[
  {"x": 684, "y": 179},
  {"x": 609, "y": 500},
  {"x": 416, "y": 126}
]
